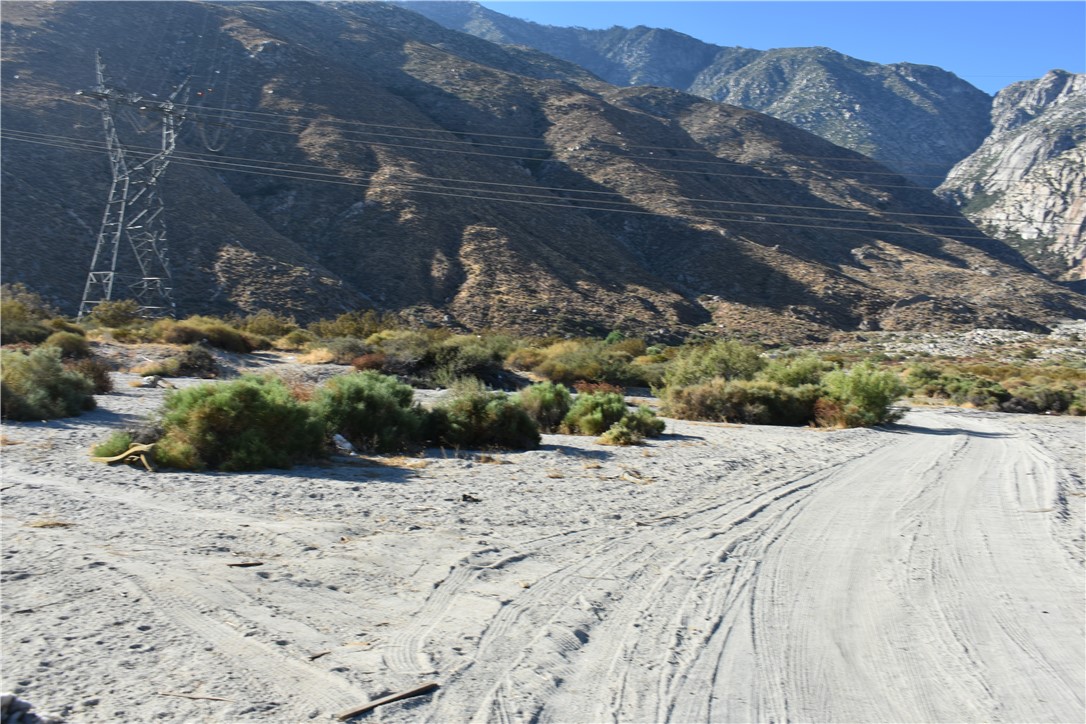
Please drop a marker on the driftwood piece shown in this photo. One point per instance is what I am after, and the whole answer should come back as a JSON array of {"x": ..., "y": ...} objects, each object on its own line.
[
  {"x": 245, "y": 564},
  {"x": 418, "y": 690},
  {"x": 137, "y": 453},
  {"x": 193, "y": 696}
]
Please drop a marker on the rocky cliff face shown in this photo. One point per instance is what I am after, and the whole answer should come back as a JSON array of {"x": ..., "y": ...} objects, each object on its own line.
[
  {"x": 1027, "y": 183},
  {"x": 919, "y": 120},
  {"x": 364, "y": 155}
]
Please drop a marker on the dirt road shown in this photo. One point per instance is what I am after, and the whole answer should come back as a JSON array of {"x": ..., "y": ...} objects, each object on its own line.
[{"x": 928, "y": 572}]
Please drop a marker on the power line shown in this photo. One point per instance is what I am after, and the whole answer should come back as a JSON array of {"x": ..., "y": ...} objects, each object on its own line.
[
  {"x": 567, "y": 204},
  {"x": 302, "y": 171}
]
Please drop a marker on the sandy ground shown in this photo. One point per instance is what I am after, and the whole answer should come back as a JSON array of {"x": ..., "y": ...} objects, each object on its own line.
[{"x": 931, "y": 571}]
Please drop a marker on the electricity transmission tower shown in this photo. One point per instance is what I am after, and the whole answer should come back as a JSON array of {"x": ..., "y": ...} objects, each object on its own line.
[{"x": 131, "y": 248}]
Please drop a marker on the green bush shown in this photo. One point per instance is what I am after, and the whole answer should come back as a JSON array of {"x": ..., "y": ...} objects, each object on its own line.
[
  {"x": 869, "y": 390},
  {"x": 795, "y": 371},
  {"x": 115, "y": 313},
  {"x": 476, "y": 418},
  {"x": 373, "y": 411},
  {"x": 71, "y": 345},
  {"x": 37, "y": 387},
  {"x": 756, "y": 402},
  {"x": 247, "y": 424},
  {"x": 644, "y": 422},
  {"x": 547, "y": 403},
  {"x": 117, "y": 443},
  {"x": 727, "y": 359},
  {"x": 593, "y": 414},
  {"x": 621, "y": 434}
]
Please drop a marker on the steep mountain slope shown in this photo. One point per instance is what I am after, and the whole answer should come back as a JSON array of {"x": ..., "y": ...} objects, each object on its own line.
[
  {"x": 917, "y": 119},
  {"x": 1027, "y": 182},
  {"x": 370, "y": 156}
]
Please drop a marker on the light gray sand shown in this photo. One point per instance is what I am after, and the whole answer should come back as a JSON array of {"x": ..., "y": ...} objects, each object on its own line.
[{"x": 929, "y": 572}]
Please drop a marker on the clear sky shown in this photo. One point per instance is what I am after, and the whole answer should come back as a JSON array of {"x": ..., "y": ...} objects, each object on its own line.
[{"x": 989, "y": 44}]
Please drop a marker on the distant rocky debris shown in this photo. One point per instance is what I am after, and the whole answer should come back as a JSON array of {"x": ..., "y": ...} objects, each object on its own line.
[
  {"x": 1026, "y": 184},
  {"x": 917, "y": 119}
]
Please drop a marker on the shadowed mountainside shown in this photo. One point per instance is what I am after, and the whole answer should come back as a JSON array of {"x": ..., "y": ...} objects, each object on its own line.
[{"x": 368, "y": 156}]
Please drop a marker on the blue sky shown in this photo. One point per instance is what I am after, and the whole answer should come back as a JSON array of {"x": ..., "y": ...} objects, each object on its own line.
[{"x": 989, "y": 44}]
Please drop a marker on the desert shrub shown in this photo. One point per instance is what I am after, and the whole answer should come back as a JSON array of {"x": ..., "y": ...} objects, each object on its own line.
[
  {"x": 869, "y": 390},
  {"x": 795, "y": 371},
  {"x": 213, "y": 331},
  {"x": 644, "y": 421},
  {"x": 196, "y": 361},
  {"x": 344, "y": 349},
  {"x": 477, "y": 418},
  {"x": 408, "y": 351},
  {"x": 193, "y": 360},
  {"x": 589, "y": 388},
  {"x": 158, "y": 368},
  {"x": 593, "y": 414},
  {"x": 247, "y": 424},
  {"x": 1039, "y": 398},
  {"x": 354, "y": 324},
  {"x": 265, "y": 323},
  {"x": 373, "y": 411},
  {"x": 630, "y": 346},
  {"x": 525, "y": 358},
  {"x": 570, "y": 361},
  {"x": 621, "y": 434},
  {"x": 115, "y": 313},
  {"x": 727, "y": 359},
  {"x": 16, "y": 330},
  {"x": 923, "y": 379},
  {"x": 967, "y": 389},
  {"x": 71, "y": 345},
  {"x": 373, "y": 361},
  {"x": 22, "y": 315},
  {"x": 117, "y": 443},
  {"x": 294, "y": 340},
  {"x": 469, "y": 355},
  {"x": 60, "y": 324},
  {"x": 37, "y": 387},
  {"x": 757, "y": 402},
  {"x": 547, "y": 403},
  {"x": 95, "y": 370}
]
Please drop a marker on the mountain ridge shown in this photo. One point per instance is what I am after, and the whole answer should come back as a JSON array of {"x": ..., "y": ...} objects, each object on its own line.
[{"x": 918, "y": 119}]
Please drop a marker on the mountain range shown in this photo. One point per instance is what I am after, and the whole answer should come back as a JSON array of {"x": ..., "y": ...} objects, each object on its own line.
[{"x": 345, "y": 155}]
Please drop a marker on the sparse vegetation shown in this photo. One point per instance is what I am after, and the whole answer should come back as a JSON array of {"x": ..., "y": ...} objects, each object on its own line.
[{"x": 725, "y": 359}]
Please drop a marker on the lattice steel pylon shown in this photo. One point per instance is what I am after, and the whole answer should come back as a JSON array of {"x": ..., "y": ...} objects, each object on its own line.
[{"x": 134, "y": 211}]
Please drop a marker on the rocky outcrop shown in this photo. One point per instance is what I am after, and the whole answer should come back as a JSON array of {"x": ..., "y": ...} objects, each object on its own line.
[
  {"x": 917, "y": 119},
  {"x": 1027, "y": 183}
]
